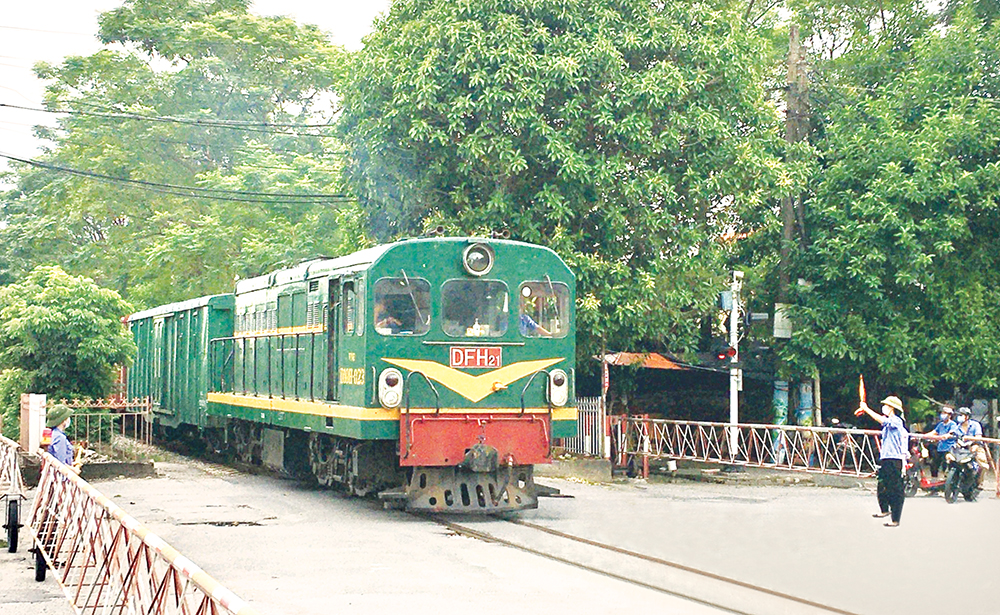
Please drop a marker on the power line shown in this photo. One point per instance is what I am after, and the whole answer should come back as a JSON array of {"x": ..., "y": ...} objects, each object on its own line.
[
  {"x": 192, "y": 191},
  {"x": 47, "y": 31},
  {"x": 231, "y": 124}
]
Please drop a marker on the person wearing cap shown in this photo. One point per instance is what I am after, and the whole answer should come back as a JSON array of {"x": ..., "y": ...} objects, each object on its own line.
[
  {"x": 892, "y": 455},
  {"x": 946, "y": 439},
  {"x": 58, "y": 419}
]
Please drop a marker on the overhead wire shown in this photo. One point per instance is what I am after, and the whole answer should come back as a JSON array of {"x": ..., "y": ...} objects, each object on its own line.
[
  {"x": 264, "y": 127},
  {"x": 222, "y": 194}
]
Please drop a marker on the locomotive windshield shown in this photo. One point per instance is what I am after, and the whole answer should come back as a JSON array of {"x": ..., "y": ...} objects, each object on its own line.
[
  {"x": 544, "y": 309},
  {"x": 474, "y": 308},
  {"x": 402, "y": 306}
]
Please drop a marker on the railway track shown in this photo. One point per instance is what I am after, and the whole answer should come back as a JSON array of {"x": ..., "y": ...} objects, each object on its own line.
[{"x": 718, "y": 592}]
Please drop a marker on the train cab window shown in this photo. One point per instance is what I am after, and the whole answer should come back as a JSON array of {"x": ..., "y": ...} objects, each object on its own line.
[
  {"x": 402, "y": 306},
  {"x": 544, "y": 309},
  {"x": 474, "y": 308}
]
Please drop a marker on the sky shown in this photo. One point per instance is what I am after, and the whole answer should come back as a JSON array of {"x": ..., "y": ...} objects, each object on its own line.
[{"x": 50, "y": 30}]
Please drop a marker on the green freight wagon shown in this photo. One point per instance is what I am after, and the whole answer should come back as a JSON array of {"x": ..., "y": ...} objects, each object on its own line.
[{"x": 172, "y": 365}]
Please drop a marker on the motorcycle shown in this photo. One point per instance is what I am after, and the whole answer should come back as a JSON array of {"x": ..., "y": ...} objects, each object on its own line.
[
  {"x": 963, "y": 473},
  {"x": 915, "y": 477}
]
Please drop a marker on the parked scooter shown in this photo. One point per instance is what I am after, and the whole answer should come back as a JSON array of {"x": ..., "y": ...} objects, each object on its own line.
[
  {"x": 916, "y": 476},
  {"x": 963, "y": 473}
]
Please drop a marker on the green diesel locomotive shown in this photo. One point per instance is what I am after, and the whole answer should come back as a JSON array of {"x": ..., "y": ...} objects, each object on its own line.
[{"x": 434, "y": 372}]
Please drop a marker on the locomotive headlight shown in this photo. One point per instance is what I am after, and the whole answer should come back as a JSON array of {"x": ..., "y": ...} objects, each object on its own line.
[
  {"x": 478, "y": 259},
  {"x": 390, "y": 387},
  {"x": 558, "y": 387}
]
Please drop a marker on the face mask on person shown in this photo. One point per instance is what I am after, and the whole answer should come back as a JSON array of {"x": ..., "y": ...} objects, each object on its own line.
[
  {"x": 961, "y": 418},
  {"x": 944, "y": 416},
  {"x": 886, "y": 410},
  {"x": 67, "y": 423}
]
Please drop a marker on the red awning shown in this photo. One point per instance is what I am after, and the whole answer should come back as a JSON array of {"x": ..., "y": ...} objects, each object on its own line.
[{"x": 651, "y": 360}]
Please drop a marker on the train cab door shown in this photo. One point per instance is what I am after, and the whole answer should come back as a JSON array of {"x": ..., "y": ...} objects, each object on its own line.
[{"x": 334, "y": 307}]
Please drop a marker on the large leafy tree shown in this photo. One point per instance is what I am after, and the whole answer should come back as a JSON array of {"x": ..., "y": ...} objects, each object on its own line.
[
  {"x": 182, "y": 126},
  {"x": 622, "y": 134},
  {"x": 903, "y": 271},
  {"x": 60, "y": 335}
]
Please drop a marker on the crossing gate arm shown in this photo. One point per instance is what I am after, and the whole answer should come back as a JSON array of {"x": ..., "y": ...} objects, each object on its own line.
[
  {"x": 826, "y": 450},
  {"x": 107, "y": 562}
]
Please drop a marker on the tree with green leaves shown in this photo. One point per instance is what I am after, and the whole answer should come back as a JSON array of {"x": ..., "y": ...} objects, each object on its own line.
[
  {"x": 195, "y": 149},
  {"x": 621, "y": 134},
  {"x": 902, "y": 271},
  {"x": 61, "y": 336}
]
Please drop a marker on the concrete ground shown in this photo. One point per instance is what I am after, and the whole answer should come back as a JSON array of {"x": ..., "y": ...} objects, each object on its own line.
[{"x": 289, "y": 549}]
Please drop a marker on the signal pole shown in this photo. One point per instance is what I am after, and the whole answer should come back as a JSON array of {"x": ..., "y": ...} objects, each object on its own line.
[{"x": 735, "y": 373}]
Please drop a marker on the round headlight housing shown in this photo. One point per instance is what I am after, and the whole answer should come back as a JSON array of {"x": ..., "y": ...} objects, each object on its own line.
[
  {"x": 478, "y": 259},
  {"x": 558, "y": 388},
  {"x": 390, "y": 388}
]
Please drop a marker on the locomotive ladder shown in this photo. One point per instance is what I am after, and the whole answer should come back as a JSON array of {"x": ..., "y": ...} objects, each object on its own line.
[
  {"x": 106, "y": 562},
  {"x": 816, "y": 450}
]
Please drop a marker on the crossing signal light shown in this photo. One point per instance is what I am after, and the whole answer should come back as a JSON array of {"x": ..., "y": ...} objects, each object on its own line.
[{"x": 726, "y": 353}]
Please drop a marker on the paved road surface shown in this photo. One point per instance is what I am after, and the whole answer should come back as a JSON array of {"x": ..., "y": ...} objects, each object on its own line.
[{"x": 289, "y": 549}]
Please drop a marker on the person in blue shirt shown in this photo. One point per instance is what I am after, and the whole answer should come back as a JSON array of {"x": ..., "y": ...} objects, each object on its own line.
[
  {"x": 527, "y": 324},
  {"x": 946, "y": 439},
  {"x": 969, "y": 427},
  {"x": 893, "y": 453},
  {"x": 58, "y": 419}
]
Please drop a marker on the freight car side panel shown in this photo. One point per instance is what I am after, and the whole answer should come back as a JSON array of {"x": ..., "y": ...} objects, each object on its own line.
[{"x": 172, "y": 361}]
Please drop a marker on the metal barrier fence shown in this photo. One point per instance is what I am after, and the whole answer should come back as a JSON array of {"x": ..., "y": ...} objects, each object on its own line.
[
  {"x": 11, "y": 491},
  {"x": 111, "y": 426},
  {"x": 11, "y": 480},
  {"x": 826, "y": 450},
  {"x": 589, "y": 437},
  {"x": 106, "y": 562}
]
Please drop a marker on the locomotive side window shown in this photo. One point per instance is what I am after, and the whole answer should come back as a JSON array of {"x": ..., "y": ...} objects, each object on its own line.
[
  {"x": 544, "y": 309},
  {"x": 474, "y": 308},
  {"x": 350, "y": 307},
  {"x": 402, "y": 306}
]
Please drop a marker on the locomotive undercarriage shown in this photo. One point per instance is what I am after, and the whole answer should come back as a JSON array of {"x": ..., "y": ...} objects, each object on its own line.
[
  {"x": 458, "y": 489},
  {"x": 369, "y": 467},
  {"x": 362, "y": 467}
]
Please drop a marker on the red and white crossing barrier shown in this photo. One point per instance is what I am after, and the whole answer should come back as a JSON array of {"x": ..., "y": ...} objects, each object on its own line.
[{"x": 107, "y": 562}]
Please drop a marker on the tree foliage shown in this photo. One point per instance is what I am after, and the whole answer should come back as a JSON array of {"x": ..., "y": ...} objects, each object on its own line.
[
  {"x": 193, "y": 94},
  {"x": 621, "y": 134},
  {"x": 61, "y": 336},
  {"x": 903, "y": 216}
]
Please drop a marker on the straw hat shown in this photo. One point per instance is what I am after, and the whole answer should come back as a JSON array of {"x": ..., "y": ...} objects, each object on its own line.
[{"x": 893, "y": 402}]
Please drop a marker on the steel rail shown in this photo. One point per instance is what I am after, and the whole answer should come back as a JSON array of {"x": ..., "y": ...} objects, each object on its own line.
[
  {"x": 107, "y": 562},
  {"x": 487, "y": 537},
  {"x": 684, "y": 567}
]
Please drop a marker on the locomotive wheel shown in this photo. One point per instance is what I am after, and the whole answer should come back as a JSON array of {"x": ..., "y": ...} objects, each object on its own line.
[
  {"x": 13, "y": 512},
  {"x": 247, "y": 443},
  {"x": 321, "y": 459},
  {"x": 951, "y": 486}
]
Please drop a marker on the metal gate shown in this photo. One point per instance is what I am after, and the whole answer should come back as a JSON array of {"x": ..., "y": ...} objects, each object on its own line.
[{"x": 589, "y": 438}]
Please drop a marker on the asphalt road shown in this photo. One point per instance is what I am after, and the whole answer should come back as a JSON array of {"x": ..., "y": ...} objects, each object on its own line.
[{"x": 289, "y": 549}]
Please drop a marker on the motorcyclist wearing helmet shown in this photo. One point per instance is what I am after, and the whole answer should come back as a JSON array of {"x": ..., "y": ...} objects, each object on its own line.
[
  {"x": 946, "y": 439},
  {"x": 969, "y": 427}
]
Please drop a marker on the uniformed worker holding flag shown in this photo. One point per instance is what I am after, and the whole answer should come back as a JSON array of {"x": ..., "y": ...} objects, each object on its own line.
[{"x": 895, "y": 439}]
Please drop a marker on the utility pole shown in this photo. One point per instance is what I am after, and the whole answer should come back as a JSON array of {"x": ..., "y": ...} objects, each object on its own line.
[
  {"x": 792, "y": 210},
  {"x": 735, "y": 372}
]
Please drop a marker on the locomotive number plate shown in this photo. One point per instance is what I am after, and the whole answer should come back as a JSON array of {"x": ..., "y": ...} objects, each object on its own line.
[{"x": 490, "y": 357}]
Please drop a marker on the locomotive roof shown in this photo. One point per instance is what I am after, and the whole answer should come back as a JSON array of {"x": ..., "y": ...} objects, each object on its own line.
[
  {"x": 223, "y": 301},
  {"x": 351, "y": 262}
]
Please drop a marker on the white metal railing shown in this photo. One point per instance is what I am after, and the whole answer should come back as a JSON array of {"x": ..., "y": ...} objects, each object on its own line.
[
  {"x": 107, "y": 563},
  {"x": 11, "y": 481},
  {"x": 827, "y": 450},
  {"x": 589, "y": 431}
]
